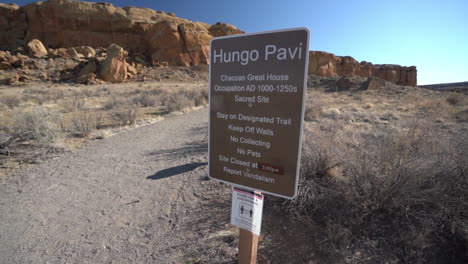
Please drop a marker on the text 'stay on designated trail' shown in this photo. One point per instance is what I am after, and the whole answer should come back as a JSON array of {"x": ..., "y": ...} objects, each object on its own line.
[{"x": 257, "y": 89}]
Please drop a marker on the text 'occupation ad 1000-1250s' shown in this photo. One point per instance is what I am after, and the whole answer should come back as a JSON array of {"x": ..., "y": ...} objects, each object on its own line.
[{"x": 257, "y": 87}]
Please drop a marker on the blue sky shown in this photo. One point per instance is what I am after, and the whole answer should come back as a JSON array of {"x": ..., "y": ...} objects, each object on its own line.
[{"x": 432, "y": 35}]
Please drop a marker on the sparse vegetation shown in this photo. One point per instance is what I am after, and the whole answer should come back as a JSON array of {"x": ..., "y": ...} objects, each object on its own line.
[
  {"x": 383, "y": 175},
  {"x": 10, "y": 100},
  {"x": 125, "y": 116},
  {"x": 61, "y": 115},
  {"x": 381, "y": 186},
  {"x": 37, "y": 124},
  {"x": 454, "y": 98},
  {"x": 83, "y": 122}
]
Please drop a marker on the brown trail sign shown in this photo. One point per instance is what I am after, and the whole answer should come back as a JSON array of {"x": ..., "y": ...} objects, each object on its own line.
[{"x": 257, "y": 92}]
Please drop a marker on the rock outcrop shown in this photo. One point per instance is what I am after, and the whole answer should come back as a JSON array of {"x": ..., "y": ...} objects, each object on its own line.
[
  {"x": 75, "y": 30},
  {"x": 66, "y": 23},
  {"x": 13, "y": 25},
  {"x": 373, "y": 83},
  {"x": 328, "y": 65}
]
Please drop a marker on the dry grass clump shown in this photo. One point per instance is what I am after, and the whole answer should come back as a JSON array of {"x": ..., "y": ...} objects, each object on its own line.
[
  {"x": 115, "y": 102},
  {"x": 313, "y": 110},
  {"x": 145, "y": 100},
  {"x": 85, "y": 122},
  {"x": 454, "y": 98},
  {"x": 38, "y": 124},
  {"x": 125, "y": 116},
  {"x": 73, "y": 103},
  {"x": 178, "y": 102},
  {"x": 10, "y": 100},
  {"x": 386, "y": 197},
  {"x": 186, "y": 98}
]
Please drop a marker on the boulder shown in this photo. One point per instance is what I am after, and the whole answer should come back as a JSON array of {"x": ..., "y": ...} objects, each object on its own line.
[
  {"x": 24, "y": 78},
  {"x": 140, "y": 60},
  {"x": 7, "y": 77},
  {"x": 72, "y": 53},
  {"x": 16, "y": 61},
  {"x": 88, "y": 68},
  {"x": 344, "y": 83},
  {"x": 3, "y": 55},
  {"x": 132, "y": 70},
  {"x": 114, "y": 67},
  {"x": 4, "y": 66},
  {"x": 87, "y": 51},
  {"x": 86, "y": 78},
  {"x": 373, "y": 83},
  {"x": 36, "y": 49}
]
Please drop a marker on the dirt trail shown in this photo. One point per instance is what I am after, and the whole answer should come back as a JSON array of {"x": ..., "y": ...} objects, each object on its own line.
[{"x": 137, "y": 197}]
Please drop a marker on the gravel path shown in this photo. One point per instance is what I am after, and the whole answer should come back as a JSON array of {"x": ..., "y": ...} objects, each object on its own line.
[{"x": 138, "y": 197}]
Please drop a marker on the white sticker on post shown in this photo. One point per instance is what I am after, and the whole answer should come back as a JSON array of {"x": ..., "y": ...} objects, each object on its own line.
[{"x": 246, "y": 211}]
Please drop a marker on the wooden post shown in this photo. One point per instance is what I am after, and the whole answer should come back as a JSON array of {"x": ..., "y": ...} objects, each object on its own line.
[{"x": 248, "y": 245}]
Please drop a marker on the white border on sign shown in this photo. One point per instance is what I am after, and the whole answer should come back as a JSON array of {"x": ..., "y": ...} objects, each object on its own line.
[{"x": 302, "y": 113}]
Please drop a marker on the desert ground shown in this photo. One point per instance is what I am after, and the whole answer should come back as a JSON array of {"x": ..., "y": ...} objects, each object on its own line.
[{"x": 117, "y": 173}]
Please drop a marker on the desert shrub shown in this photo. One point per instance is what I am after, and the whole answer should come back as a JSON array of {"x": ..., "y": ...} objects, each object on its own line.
[
  {"x": 36, "y": 91},
  {"x": 125, "y": 116},
  {"x": 35, "y": 124},
  {"x": 395, "y": 197},
  {"x": 10, "y": 100},
  {"x": 89, "y": 92},
  {"x": 56, "y": 94},
  {"x": 313, "y": 110},
  {"x": 454, "y": 98},
  {"x": 156, "y": 91},
  {"x": 178, "y": 102},
  {"x": 145, "y": 100},
  {"x": 114, "y": 102},
  {"x": 83, "y": 123},
  {"x": 73, "y": 103},
  {"x": 199, "y": 95}
]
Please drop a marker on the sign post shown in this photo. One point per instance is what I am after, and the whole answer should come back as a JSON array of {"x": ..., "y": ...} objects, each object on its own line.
[{"x": 257, "y": 92}]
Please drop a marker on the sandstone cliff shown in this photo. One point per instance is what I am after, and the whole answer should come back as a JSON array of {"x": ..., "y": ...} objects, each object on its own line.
[
  {"x": 66, "y": 23},
  {"x": 163, "y": 38},
  {"x": 327, "y": 65}
]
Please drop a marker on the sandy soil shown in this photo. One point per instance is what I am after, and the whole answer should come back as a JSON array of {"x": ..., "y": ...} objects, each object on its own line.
[{"x": 141, "y": 196}]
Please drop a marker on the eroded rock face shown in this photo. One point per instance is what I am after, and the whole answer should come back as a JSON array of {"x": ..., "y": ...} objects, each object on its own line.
[
  {"x": 12, "y": 25},
  {"x": 114, "y": 67},
  {"x": 222, "y": 29},
  {"x": 182, "y": 44},
  {"x": 328, "y": 65},
  {"x": 65, "y": 23}
]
